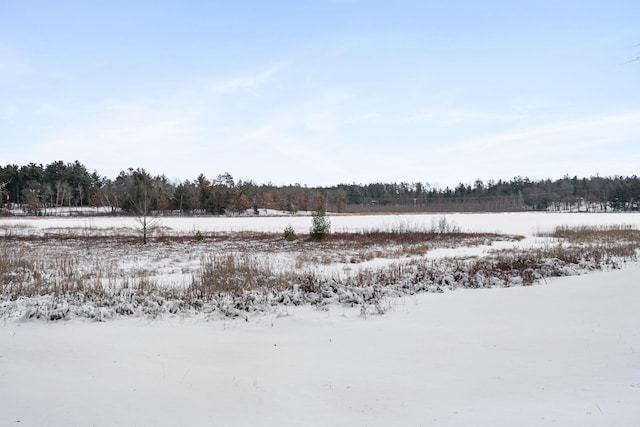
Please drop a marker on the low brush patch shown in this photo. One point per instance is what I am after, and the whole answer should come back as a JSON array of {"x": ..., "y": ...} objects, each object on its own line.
[
  {"x": 232, "y": 274},
  {"x": 592, "y": 234}
]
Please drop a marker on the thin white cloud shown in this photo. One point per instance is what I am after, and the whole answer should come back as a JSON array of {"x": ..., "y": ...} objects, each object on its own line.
[
  {"x": 280, "y": 153},
  {"x": 576, "y": 133},
  {"x": 243, "y": 82},
  {"x": 361, "y": 118},
  {"x": 121, "y": 135},
  {"x": 446, "y": 117},
  {"x": 265, "y": 132}
]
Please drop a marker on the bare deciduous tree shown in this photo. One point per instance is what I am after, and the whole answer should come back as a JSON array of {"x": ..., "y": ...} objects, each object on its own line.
[{"x": 148, "y": 222}]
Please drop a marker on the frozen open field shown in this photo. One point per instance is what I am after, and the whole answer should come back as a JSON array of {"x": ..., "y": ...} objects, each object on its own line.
[
  {"x": 508, "y": 223},
  {"x": 564, "y": 352}
]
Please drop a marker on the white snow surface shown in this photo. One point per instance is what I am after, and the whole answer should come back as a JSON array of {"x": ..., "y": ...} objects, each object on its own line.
[
  {"x": 561, "y": 353},
  {"x": 507, "y": 223},
  {"x": 564, "y": 354}
]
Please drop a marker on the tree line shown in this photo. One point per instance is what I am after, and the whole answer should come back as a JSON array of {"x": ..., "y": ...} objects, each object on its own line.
[{"x": 41, "y": 189}]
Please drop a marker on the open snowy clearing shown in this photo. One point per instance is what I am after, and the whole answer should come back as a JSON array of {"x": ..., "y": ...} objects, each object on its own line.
[
  {"x": 524, "y": 223},
  {"x": 563, "y": 352}
]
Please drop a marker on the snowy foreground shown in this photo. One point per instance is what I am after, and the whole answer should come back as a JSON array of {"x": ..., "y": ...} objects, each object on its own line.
[{"x": 565, "y": 352}]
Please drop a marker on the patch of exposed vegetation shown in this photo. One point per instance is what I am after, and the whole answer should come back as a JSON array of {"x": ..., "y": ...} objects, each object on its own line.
[
  {"x": 593, "y": 234},
  {"x": 231, "y": 275}
]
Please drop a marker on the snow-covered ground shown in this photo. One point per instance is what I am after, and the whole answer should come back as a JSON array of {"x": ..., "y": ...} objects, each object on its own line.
[
  {"x": 508, "y": 223},
  {"x": 561, "y": 353}
]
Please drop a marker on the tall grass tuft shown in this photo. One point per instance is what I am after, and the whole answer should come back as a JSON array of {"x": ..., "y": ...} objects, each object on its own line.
[{"x": 234, "y": 273}]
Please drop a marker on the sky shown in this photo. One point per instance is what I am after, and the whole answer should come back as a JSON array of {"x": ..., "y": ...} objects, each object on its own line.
[{"x": 321, "y": 92}]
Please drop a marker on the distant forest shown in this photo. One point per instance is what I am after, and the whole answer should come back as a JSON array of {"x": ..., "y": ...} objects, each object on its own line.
[{"x": 39, "y": 190}]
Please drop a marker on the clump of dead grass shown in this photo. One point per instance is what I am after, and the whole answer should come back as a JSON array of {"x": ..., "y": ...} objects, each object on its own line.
[
  {"x": 30, "y": 273},
  {"x": 593, "y": 234},
  {"x": 235, "y": 273}
]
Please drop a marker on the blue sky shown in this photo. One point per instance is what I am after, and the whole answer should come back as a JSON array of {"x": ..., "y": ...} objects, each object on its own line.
[{"x": 321, "y": 92}]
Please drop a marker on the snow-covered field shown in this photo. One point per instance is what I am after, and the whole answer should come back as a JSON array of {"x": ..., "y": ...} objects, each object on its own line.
[
  {"x": 509, "y": 223},
  {"x": 562, "y": 353}
]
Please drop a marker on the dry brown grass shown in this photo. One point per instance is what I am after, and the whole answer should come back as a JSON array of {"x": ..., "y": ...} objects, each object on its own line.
[
  {"x": 592, "y": 234},
  {"x": 234, "y": 273},
  {"x": 384, "y": 238},
  {"x": 355, "y": 248},
  {"x": 236, "y": 263},
  {"x": 31, "y": 271}
]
